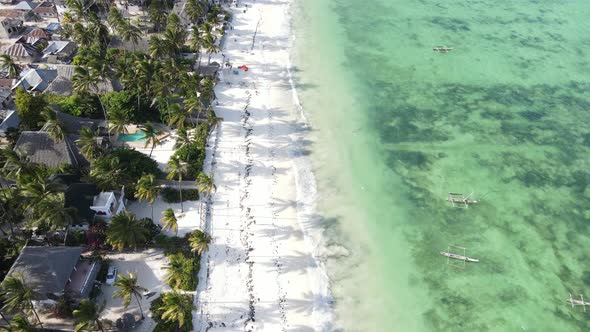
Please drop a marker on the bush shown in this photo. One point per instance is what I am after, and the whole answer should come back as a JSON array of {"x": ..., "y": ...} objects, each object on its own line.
[
  {"x": 86, "y": 106},
  {"x": 28, "y": 108},
  {"x": 190, "y": 264},
  {"x": 194, "y": 156},
  {"x": 171, "y": 195},
  {"x": 154, "y": 230},
  {"x": 104, "y": 270},
  {"x": 122, "y": 167},
  {"x": 171, "y": 241},
  {"x": 75, "y": 238}
]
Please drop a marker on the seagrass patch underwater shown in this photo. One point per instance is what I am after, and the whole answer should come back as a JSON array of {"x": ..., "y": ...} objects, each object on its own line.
[{"x": 504, "y": 116}]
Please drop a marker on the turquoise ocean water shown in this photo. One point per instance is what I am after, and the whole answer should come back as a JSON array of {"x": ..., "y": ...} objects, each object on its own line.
[{"x": 397, "y": 126}]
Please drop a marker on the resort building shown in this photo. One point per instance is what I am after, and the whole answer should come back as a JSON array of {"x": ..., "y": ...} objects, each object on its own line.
[
  {"x": 108, "y": 204},
  {"x": 55, "y": 271},
  {"x": 41, "y": 148}
]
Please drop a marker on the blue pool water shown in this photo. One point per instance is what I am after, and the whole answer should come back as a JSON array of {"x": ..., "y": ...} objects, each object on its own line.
[{"x": 137, "y": 136}]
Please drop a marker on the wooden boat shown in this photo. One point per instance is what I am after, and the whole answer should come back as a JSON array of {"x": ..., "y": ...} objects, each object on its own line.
[
  {"x": 575, "y": 302},
  {"x": 460, "y": 257},
  {"x": 461, "y": 201},
  {"x": 442, "y": 49}
]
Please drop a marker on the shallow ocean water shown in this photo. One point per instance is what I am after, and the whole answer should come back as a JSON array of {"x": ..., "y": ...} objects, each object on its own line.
[{"x": 397, "y": 126}]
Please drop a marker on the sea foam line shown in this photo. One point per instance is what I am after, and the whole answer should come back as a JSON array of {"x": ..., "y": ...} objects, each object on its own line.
[{"x": 309, "y": 222}]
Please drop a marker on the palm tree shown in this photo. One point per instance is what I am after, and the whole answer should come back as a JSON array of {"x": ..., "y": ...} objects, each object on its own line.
[
  {"x": 126, "y": 231},
  {"x": 144, "y": 71},
  {"x": 213, "y": 120},
  {"x": 206, "y": 186},
  {"x": 196, "y": 40},
  {"x": 209, "y": 43},
  {"x": 52, "y": 124},
  {"x": 87, "y": 317},
  {"x": 177, "y": 170},
  {"x": 175, "y": 35},
  {"x": 107, "y": 172},
  {"x": 88, "y": 143},
  {"x": 199, "y": 241},
  {"x": 176, "y": 308},
  {"x": 183, "y": 138},
  {"x": 8, "y": 64},
  {"x": 128, "y": 286},
  {"x": 206, "y": 183},
  {"x": 20, "y": 323},
  {"x": 194, "y": 10},
  {"x": 150, "y": 134},
  {"x": 176, "y": 115},
  {"x": 99, "y": 31},
  {"x": 147, "y": 190},
  {"x": 86, "y": 80},
  {"x": 82, "y": 35},
  {"x": 17, "y": 295},
  {"x": 131, "y": 33},
  {"x": 157, "y": 47},
  {"x": 116, "y": 20},
  {"x": 192, "y": 102},
  {"x": 206, "y": 89},
  {"x": 53, "y": 213},
  {"x": 169, "y": 220},
  {"x": 175, "y": 269},
  {"x": 118, "y": 120},
  {"x": 17, "y": 164}
]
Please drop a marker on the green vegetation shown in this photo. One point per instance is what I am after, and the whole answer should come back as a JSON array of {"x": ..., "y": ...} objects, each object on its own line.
[
  {"x": 127, "y": 287},
  {"x": 87, "y": 317},
  {"x": 171, "y": 195},
  {"x": 172, "y": 312},
  {"x": 157, "y": 87},
  {"x": 29, "y": 108},
  {"x": 169, "y": 220},
  {"x": 125, "y": 231},
  {"x": 122, "y": 167}
]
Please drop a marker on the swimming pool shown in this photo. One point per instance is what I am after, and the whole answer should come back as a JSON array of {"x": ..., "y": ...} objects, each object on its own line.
[{"x": 137, "y": 136}]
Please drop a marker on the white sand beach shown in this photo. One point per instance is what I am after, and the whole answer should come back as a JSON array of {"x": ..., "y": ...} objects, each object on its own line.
[{"x": 259, "y": 273}]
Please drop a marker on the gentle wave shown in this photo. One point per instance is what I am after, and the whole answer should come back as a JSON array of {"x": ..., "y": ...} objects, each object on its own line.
[{"x": 308, "y": 220}]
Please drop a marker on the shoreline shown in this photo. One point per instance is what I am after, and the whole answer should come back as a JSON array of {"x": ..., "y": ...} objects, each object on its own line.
[{"x": 261, "y": 271}]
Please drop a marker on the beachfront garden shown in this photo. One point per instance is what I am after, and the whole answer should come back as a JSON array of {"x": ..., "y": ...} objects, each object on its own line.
[{"x": 142, "y": 74}]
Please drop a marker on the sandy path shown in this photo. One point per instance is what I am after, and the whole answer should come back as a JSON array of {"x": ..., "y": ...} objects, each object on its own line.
[{"x": 256, "y": 273}]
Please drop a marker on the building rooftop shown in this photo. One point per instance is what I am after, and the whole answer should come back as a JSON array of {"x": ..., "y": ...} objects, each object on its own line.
[
  {"x": 48, "y": 268},
  {"x": 102, "y": 199},
  {"x": 36, "y": 79},
  {"x": 42, "y": 149},
  {"x": 25, "y": 5}
]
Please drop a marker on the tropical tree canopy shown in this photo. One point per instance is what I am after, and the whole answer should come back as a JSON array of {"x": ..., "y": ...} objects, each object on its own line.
[
  {"x": 87, "y": 317},
  {"x": 88, "y": 143},
  {"x": 199, "y": 241},
  {"x": 169, "y": 220},
  {"x": 176, "y": 308},
  {"x": 125, "y": 231},
  {"x": 7, "y": 64},
  {"x": 128, "y": 287},
  {"x": 206, "y": 183}
]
